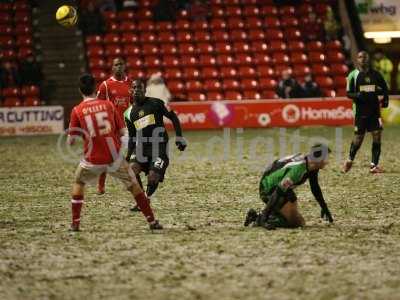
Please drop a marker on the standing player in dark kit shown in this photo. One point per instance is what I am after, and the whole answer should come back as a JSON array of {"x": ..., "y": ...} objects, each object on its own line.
[
  {"x": 115, "y": 89},
  {"x": 148, "y": 138},
  {"x": 277, "y": 189},
  {"x": 364, "y": 86}
]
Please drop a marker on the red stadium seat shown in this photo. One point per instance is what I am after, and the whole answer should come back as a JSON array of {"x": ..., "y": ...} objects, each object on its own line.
[
  {"x": 287, "y": 10},
  {"x": 247, "y": 72},
  {"x": 150, "y": 49},
  {"x": 4, "y": 7},
  {"x": 298, "y": 58},
  {"x": 233, "y": 11},
  {"x": 12, "y": 102},
  {"x": 250, "y": 2},
  {"x": 11, "y": 92},
  {"x": 243, "y": 59},
  {"x": 241, "y": 47},
  {"x": 253, "y": 23},
  {"x": 212, "y": 85},
  {"x": 296, "y": 45},
  {"x": 111, "y": 38},
  {"x": 30, "y": 91},
  {"x": 134, "y": 62},
  {"x": 126, "y": 15},
  {"x": 131, "y": 50},
  {"x": 189, "y": 61},
  {"x": 341, "y": 93},
  {"x": 230, "y": 84},
  {"x": 94, "y": 40},
  {"x": 321, "y": 8},
  {"x": 251, "y": 95},
  {"x": 272, "y": 23},
  {"x": 191, "y": 74},
  {"x": 196, "y": 96},
  {"x": 250, "y": 84},
  {"x": 164, "y": 26},
  {"x": 267, "y": 83},
  {"x": 95, "y": 51},
  {"x": 148, "y": 37},
  {"x": 182, "y": 25},
  {"x": 136, "y": 73},
  {"x": 129, "y": 38},
  {"x": 173, "y": 73},
  {"x": 334, "y": 56},
  {"x": 319, "y": 69},
  {"x": 170, "y": 61},
  {"x": 231, "y": 2},
  {"x": 7, "y": 41},
  {"x": 97, "y": 63},
  {"x": 225, "y": 48},
  {"x": 238, "y": 35},
  {"x": 144, "y": 13},
  {"x": 256, "y": 34},
  {"x": 215, "y": 96},
  {"x": 31, "y": 101},
  {"x": 24, "y": 52},
  {"x": 8, "y": 54},
  {"x": 314, "y": 46},
  {"x": 262, "y": 59},
  {"x": 340, "y": 82},
  {"x": 23, "y": 29},
  {"x": 127, "y": 26},
  {"x": 199, "y": 25},
  {"x": 109, "y": 16},
  {"x": 205, "y": 48},
  {"x": 99, "y": 75},
  {"x": 218, "y": 24},
  {"x": 304, "y": 9},
  {"x": 207, "y": 60},
  {"x": 225, "y": 60},
  {"x": 176, "y": 86},
  {"x": 339, "y": 69},
  {"x": 5, "y": 18},
  {"x": 146, "y": 25},
  {"x": 152, "y": 62},
  {"x": 333, "y": 45},
  {"x": 278, "y": 46},
  {"x": 269, "y": 95},
  {"x": 113, "y": 50},
  {"x": 210, "y": 73},
  {"x": 217, "y": 12},
  {"x": 194, "y": 86},
  {"x": 113, "y": 27},
  {"x": 184, "y": 37},
  {"x": 166, "y": 37},
  {"x": 228, "y": 72},
  {"x": 251, "y": 10},
  {"x": 202, "y": 36},
  {"x": 316, "y": 57},
  {"x": 220, "y": 36},
  {"x": 301, "y": 70},
  {"x": 280, "y": 58},
  {"x": 21, "y": 6},
  {"x": 233, "y": 95},
  {"x": 269, "y": 10},
  {"x": 265, "y": 71},
  {"x": 328, "y": 92},
  {"x": 290, "y": 22},
  {"x": 6, "y": 29},
  {"x": 259, "y": 47},
  {"x": 236, "y": 23},
  {"x": 183, "y": 14},
  {"x": 292, "y": 34},
  {"x": 187, "y": 49},
  {"x": 168, "y": 49},
  {"x": 324, "y": 82}
]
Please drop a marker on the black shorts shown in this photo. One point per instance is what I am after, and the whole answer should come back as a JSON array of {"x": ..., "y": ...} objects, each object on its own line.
[
  {"x": 363, "y": 124},
  {"x": 158, "y": 164},
  {"x": 290, "y": 196}
]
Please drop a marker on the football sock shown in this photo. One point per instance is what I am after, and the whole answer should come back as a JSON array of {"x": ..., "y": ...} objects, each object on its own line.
[
  {"x": 144, "y": 204},
  {"x": 151, "y": 188},
  {"x": 353, "y": 150},
  {"x": 102, "y": 181},
  {"x": 376, "y": 152},
  {"x": 76, "y": 206}
]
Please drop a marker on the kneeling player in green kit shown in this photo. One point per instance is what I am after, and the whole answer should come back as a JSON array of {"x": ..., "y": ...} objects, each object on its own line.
[{"x": 277, "y": 189}]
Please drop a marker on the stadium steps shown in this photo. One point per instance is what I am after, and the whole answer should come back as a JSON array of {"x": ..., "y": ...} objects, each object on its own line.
[{"x": 62, "y": 55}]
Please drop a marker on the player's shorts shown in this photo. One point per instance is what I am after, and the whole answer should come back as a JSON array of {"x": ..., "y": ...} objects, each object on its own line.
[
  {"x": 289, "y": 196},
  {"x": 86, "y": 173},
  {"x": 369, "y": 124},
  {"x": 158, "y": 164}
]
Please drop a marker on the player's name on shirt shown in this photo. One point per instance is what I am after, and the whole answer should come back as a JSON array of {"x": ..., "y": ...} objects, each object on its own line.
[{"x": 94, "y": 109}]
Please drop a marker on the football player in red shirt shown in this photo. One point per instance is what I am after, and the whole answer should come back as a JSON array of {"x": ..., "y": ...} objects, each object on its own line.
[
  {"x": 101, "y": 127},
  {"x": 115, "y": 89}
]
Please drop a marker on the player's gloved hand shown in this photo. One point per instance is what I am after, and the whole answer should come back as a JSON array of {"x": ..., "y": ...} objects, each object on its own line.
[
  {"x": 181, "y": 143},
  {"x": 385, "y": 102},
  {"x": 128, "y": 158},
  {"x": 326, "y": 214}
]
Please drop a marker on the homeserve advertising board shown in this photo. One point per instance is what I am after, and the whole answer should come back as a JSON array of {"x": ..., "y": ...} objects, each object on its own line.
[
  {"x": 378, "y": 15},
  {"x": 31, "y": 120},
  {"x": 259, "y": 114}
]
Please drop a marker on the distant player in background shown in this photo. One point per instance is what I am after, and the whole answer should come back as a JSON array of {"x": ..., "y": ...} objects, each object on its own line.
[
  {"x": 148, "y": 138},
  {"x": 364, "y": 86},
  {"x": 115, "y": 89},
  {"x": 277, "y": 189},
  {"x": 101, "y": 127}
]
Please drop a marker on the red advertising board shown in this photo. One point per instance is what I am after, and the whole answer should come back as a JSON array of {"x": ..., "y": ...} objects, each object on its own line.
[{"x": 264, "y": 113}]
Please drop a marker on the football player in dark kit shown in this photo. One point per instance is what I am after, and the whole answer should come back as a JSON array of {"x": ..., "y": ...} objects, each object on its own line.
[
  {"x": 148, "y": 138},
  {"x": 364, "y": 86}
]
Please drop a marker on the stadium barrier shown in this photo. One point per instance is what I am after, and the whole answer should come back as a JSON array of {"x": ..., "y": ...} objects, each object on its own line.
[
  {"x": 31, "y": 120},
  {"x": 263, "y": 114}
]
